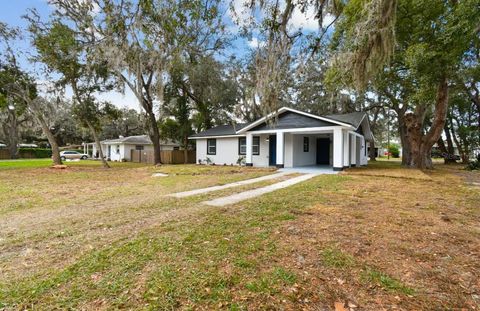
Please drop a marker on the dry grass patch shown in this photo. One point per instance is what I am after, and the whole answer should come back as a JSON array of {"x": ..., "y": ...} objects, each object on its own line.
[{"x": 371, "y": 242}]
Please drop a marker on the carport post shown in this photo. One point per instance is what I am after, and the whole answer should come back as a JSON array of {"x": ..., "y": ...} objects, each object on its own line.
[
  {"x": 337, "y": 149},
  {"x": 248, "y": 160},
  {"x": 346, "y": 149},
  {"x": 353, "y": 152},
  {"x": 280, "y": 147}
]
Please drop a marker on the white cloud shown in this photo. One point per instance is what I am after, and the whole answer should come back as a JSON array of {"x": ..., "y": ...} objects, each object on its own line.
[
  {"x": 307, "y": 20},
  {"x": 121, "y": 100},
  {"x": 255, "y": 43},
  {"x": 239, "y": 12}
]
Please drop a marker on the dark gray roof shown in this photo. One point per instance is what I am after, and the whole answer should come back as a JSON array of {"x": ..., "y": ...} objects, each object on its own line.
[
  {"x": 354, "y": 118},
  {"x": 290, "y": 120},
  {"x": 137, "y": 140},
  {"x": 221, "y": 130},
  {"x": 287, "y": 119}
]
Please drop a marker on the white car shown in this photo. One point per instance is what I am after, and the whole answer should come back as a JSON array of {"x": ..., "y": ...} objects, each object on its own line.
[{"x": 64, "y": 155}]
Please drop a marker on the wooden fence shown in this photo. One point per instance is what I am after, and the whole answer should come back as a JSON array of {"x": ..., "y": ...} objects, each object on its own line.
[
  {"x": 167, "y": 157},
  {"x": 4, "y": 154}
]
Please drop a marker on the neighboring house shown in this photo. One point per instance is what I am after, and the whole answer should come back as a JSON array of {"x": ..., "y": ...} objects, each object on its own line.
[
  {"x": 27, "y": 146},
  {"x": 289, "y": 138},
  {"x": 119, "y": 149}
]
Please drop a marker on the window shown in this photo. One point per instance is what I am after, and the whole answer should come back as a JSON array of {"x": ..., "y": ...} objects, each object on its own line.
[
  {"x": 256, "y": 145},
  {"x": 211, "y": 146},
  {"x": 306, "y": 144},
  {"x": 242, "y": 145},
  {"x": 138, "y": 147},
  {"x": 118, "y": 149}
]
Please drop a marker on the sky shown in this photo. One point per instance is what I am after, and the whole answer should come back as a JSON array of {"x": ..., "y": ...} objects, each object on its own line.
[{"x": 11, "y": 12}]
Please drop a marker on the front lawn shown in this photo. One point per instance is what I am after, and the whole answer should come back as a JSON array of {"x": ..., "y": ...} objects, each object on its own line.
[{"x": 90, "y": 238}]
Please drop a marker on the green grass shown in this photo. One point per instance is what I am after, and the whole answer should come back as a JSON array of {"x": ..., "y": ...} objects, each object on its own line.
[
  {"x": 333, "y": 257},
  {"x": 190, "y": 263},
  {"x": 386, "y": 281},
  {"x": 238, "y": 257},
  {"x": 41, "y": 163}
]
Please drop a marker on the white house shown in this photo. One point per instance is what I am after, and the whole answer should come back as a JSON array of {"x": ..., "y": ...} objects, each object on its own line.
[
  {"x": 119, "y": 149},
  {"x": 289, "y": 138}
]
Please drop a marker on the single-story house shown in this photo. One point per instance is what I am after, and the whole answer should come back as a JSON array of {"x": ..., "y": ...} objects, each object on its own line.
[
  {"x": 289, "y": 138},
  {"x": 119, "y": 149}
]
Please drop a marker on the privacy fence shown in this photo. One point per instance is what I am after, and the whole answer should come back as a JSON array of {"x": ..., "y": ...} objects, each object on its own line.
[{"x": 167, "y": 157}]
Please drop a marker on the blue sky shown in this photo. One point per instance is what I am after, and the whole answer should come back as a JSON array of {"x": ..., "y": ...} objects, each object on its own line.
[{"x": 11, "y": 12}]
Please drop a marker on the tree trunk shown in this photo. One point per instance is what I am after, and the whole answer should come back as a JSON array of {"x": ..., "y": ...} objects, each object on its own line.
[
  {"x": 449, "y": 157},
  {"x": 185, "y": 149},
  {"x": 99, "y": 146},
  {"x": 402, "y": 132},
  {"x": 51, "y": 139},
  {"x": 372, "y": 153},
  {"x": 463, "y": 149},
  {"x": 155, "y": 137},
  {"x": 10, "y": 128},
  {"x": 420, "y": 144}
]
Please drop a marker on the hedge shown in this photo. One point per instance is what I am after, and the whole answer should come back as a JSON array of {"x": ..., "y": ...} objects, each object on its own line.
[{"x": 35, "y": 152}]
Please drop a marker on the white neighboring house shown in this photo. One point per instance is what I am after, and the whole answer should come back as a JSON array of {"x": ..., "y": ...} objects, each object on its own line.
[
  {"x": 119, "y": 149},
  {"x": 289, "y": 138}
]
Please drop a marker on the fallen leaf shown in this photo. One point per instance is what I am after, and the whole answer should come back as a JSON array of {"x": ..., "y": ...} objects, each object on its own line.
[{"x": 340, "y": 306}]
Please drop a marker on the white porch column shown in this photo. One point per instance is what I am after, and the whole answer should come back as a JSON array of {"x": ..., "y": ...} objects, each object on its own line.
[
  {"x": 280, "y": 149},
  {"x": 346, "y": 149},
  {"x": 248, "y": 158},
  {"x": 337, "y": 149},
  {"x": 353, "y": 153}
]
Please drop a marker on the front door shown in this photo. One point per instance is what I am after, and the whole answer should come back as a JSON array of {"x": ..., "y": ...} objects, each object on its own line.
[
  {"x": 272, "y": 150},
  {"x": 323, "y": 151}
]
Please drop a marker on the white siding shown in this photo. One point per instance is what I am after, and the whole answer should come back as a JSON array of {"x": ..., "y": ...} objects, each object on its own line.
[
  {"x": 301, "y": 158},
  {"x": 261, "y": 160},
  {"x": 227, "y": 151}
]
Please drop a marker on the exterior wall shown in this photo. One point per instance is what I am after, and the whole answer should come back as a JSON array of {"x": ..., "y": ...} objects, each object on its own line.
[
  {"x": 227, "y": 151},
  {"x": 301, "y": 158},
  {"x": 363, "y": 153},
  {"x": 126, "y": 151},
  {"x": 261, "y": 160}
]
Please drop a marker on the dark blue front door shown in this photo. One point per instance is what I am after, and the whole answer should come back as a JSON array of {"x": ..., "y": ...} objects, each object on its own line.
[
  {"x": 272, "y": 147},
  {"x": 323, "y": 151}
]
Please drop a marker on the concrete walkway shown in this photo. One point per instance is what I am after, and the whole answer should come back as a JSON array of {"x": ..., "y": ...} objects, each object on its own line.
[
  {"x": 231, "y": 185},
  {"x": 311, "y": 169},
  {"x": 238, "y": 197}
]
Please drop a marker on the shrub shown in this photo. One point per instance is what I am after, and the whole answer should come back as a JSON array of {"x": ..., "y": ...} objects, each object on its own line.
[
  {"x": 35, "y": 153},
  {"x": 473, "y": 165},
  {"x": 394, "y": 150}
]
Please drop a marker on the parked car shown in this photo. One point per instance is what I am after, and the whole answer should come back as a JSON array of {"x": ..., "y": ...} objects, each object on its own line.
[{"x": 72, "y": 155}]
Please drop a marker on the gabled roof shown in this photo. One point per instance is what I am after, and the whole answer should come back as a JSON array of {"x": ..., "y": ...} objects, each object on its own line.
[
  {"x": 285, "y": 109},
  {"x": 354, "y": 118},
  {"x": 221, "y": 130},
  {"x": 303, "y": 119},
  {"x": 136, "y": 140}
]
